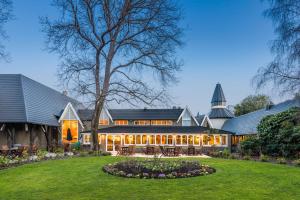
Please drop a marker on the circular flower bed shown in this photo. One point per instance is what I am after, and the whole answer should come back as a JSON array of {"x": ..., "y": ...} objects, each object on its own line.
[{"x": 155, "y": 168}]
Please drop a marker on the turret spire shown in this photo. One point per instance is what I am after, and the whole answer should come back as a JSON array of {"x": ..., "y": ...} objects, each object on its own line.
[{"x": 218, "y": 99}]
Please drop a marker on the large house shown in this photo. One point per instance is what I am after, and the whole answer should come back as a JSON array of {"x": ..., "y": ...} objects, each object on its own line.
[{"x": 34, "y": 114}]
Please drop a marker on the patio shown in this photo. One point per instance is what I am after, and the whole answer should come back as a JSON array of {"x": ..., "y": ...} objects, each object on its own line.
[{"x": 142, "y": 155}]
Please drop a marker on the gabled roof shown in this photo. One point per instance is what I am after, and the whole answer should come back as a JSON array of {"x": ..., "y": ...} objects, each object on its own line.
[
  {"x": 69, "y": 113},
  {"x": 159, "y": 129},
  {"x": 220, "y": 113},
  {"x": 247, "y": 124},
  {"x": 218, "y": 95},
  {"x": 23, "y": 100},
  {"x": 145, "y": 114},
  {"x": 189, "y": 113}
]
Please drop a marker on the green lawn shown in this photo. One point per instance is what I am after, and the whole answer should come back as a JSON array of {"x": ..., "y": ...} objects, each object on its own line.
[{"x": 82, "y": 178}]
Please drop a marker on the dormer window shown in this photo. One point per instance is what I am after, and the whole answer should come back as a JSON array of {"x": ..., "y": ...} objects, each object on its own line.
[
  {"x": 142, "y": 122},
  {"x": 161, "y": 122},
  {"x": 103, "y": 122},
  {"x": 121, "y": 122}
]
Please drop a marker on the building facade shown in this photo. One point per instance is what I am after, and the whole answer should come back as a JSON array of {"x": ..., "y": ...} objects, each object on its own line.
[{"x": 34, "y": 114}]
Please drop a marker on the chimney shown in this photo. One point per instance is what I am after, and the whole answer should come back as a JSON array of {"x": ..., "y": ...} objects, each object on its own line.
[
  {"x": 269, "y": 105},
  {"x": 65, "y": 92}
]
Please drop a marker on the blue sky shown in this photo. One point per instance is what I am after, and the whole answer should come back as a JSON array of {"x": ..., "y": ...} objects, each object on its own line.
[{"x": 226, "y": 42}]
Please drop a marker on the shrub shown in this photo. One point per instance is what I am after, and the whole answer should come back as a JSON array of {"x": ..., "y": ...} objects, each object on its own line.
[
  {"x": 233, "y": 156},
  {"x": 76, "y": 146},
  {"x": 250, "y": 146},
  {"x": 247, "y": 157},
  {"x": 279, "y": 134},
  {"x": 105, "y": 153},
  {"x": 297, "y": 162},
  {"x": 281, "y": 160},
  {"x": 264, "y": 158}
]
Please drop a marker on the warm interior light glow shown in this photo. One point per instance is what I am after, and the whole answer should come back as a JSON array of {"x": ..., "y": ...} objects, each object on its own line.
[{"x": 73, "y": 126}]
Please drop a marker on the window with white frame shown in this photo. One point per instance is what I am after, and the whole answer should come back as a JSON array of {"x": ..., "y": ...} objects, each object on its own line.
[{"x": 86, "y": 138}]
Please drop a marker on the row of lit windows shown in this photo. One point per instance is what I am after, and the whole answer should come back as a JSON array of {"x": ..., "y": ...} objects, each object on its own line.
[
  {"x": 165, "y": 139},
  {"x": 137, "y": 122},
  {"x": 175, "y": 140}
]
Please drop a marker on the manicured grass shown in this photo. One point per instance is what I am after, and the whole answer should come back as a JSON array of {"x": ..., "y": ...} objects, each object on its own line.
[{"x": 82, "y": 178}]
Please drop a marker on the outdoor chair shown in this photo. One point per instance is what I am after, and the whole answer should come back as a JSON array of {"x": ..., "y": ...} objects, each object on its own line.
[
  {"x": 118, "y": 149},
  {"x": 163, "y": 151},
  {"x": 131, "y": 150},
  {"x": 177, "y": 151}
]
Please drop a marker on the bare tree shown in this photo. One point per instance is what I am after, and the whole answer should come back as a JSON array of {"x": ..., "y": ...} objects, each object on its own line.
[
  {"x": 110, "y": 48},
  {"x": 284, "y": 71},
  {"x": 5, "y": 16}
]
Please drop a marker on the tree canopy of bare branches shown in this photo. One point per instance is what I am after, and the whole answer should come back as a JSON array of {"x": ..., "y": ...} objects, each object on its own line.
[
  {"x": 110, "y": 48},
  {"x": 284, "y": 71},
  {"x": 5, "y": 16}
]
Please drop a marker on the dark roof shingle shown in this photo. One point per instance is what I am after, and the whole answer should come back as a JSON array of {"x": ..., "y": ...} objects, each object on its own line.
[
  {"x": 220, "y": 113},
  {"x": 24, "y": 100},
  {"x": 159, "y": 129}
]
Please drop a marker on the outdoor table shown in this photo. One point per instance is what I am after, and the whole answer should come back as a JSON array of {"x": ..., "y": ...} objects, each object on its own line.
[
  {"x": 170, "y": 151},
  {"x": 124, "y": 150},
  {"x": 191, "y": 150},
  {"x": 149, "y": 150}
]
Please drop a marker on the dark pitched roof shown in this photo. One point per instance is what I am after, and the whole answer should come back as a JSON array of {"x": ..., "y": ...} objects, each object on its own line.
[
  {"x": 85, "y": 114},
  {"x": 218, "y": 95},
  {"x": 220, "y": 113},
  {"x": 247, "y": 124},
  {"x": 148, "y": 114},
  {"x": 159, "y": 129},
  {"x": 134, "y": 114},
  {"x": 23, "y": 100}
]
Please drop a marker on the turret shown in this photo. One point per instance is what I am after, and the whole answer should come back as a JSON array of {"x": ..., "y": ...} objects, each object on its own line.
[{"x": 219, "y": 113}]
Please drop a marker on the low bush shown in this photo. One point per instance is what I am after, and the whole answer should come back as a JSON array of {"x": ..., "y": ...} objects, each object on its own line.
[
  {"x": 264, "y": 158},
  {"x": 281, "y": 160},
  {"x": 157, "y": 168},
  {"x": 297, "y": 162},
  {"x": 105, "y": 153},
  {"x": 246, "y": 157}
]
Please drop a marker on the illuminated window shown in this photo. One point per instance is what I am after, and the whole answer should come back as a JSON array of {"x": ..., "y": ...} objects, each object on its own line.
[
  {"x": 205, "y": 139},
  {"x": 138, "y": 139},
  {"x": 178, "y": 139},
  {"x": 170, "y": 139},
  {"x": 129, "y": 139},
  {"x": 211, "y": 140},
  {"x": 217, "y": 140},
  {"x": 86, "y": 138},
  {"x": 121, "y": 122},
  {"x": 184, "y": 140},
  {"x": 142, "y": 122},
  {"x": 70, "y": 126},
  {"x": 151, "y": 139},
  {"x": 164, "y": 139},
  {"x": 158, "y": 139},
  {"x": 224, "y": 140},
  {"x": 197, "y": 140},
  {"x": 190, "y": 140},
  {"x": 161, "y": 122},
  {"x": 109, "y": 143},
  {"x": 103, "y": 122},
  {"x": 144, "y": 139},
  {"x": 126, "y": 139}
]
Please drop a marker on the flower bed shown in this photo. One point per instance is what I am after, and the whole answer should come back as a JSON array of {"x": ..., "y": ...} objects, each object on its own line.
[
  {"x": 8, "y": 161},
  {"x": 157, "y": 168}
]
